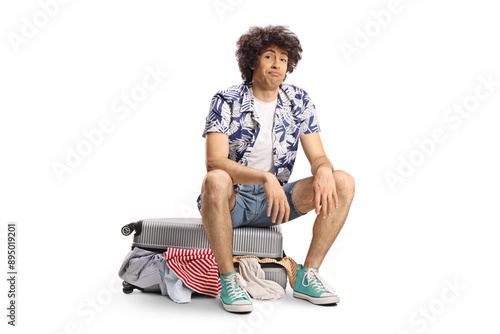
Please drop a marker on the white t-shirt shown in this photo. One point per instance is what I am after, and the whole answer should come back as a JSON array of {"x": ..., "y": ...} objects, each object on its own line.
[{"x": 262, "y": 156}]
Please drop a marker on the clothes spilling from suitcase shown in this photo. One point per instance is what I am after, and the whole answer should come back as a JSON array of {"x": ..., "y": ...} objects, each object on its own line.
[{"x": 172, "y": 256}]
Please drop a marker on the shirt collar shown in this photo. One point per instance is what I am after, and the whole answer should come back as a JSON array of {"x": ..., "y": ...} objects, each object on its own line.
[{"x": 247, "y": 104}]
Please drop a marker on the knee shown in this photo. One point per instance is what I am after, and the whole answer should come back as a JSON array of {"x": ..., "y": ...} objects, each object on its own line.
[
  {"x": 216, "y": 185},
  {"x": 344, "y": 183}
]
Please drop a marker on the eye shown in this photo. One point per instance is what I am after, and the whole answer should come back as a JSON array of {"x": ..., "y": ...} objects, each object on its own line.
[{"x": 284, "y": 60}]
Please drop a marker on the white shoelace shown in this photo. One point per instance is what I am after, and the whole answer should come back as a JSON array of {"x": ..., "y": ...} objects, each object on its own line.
[
  {"x": 316, "y": 281},
  {"x": 234, "y": 285}
]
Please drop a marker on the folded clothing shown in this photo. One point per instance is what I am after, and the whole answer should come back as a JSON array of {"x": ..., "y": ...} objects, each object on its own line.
[
  {"x": 197, "y": 268},
  {"x": 141, "y": 268},
  {"x": 287, "y": 262},
  {"x": 173, "y": 286},
  {"x": 256, "y": 284},
  {"x": 178, "y": 272}
]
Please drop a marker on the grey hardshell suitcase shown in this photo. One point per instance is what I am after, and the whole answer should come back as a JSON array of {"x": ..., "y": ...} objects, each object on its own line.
[{"x": 158, "y": 234}]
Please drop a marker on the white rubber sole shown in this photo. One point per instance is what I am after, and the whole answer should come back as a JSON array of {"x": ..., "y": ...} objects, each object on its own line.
[
  {"x": 317, "y": 300},
  {"x": 238, "y": 308}
]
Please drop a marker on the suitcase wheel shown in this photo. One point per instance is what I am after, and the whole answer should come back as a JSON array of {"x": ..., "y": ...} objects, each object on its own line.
[
  {"x": 128, "y": 229},
  {"x": 127, "y": 287}
]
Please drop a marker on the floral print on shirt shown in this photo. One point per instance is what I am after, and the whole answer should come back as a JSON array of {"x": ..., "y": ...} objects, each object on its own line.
[{"x": 232, "y": 112}]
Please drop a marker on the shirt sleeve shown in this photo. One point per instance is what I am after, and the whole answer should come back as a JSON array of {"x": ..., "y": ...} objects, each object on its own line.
[
  {"x": 309, "y": 117},
  {"x": 219, "y": 116}
]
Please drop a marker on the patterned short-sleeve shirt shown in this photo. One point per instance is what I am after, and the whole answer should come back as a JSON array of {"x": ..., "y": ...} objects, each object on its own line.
[{"x": 232, "y": 112}]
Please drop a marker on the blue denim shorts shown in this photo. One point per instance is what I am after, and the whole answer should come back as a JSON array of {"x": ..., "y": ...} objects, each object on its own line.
[{"x": 251, "y": 206}]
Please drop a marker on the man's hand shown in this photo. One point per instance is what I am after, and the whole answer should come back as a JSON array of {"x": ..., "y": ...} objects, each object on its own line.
[
  {"x": 276, "y": 199},
  {"x": 324, "y": 191}
]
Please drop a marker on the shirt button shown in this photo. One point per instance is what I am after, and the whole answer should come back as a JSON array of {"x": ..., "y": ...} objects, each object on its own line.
[{"x": 241, "y": 162}]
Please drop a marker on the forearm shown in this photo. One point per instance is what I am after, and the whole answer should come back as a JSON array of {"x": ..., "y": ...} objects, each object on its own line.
[
  {"x": 239, "y": 173},
  {"x": 321, "y": 162}
]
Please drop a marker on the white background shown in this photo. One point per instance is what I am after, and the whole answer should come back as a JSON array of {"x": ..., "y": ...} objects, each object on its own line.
[{"x": 399, "y": 247}]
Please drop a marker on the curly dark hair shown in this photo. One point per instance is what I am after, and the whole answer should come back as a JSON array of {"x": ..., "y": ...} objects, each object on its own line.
[{"x": 251, "y": 44}]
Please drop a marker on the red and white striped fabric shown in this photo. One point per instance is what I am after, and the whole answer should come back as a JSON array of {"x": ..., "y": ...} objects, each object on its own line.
[{"x": 197, "y": 268}]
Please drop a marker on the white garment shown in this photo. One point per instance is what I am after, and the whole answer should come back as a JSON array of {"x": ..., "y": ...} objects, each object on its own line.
[
  {"x": 171, "y": 285},
  {"x": 262, "y": 156},
  {"x": 257, "y": 285}
]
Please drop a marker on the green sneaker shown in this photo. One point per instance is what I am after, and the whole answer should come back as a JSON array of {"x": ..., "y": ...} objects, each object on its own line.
[
  {"x": 309, "y": 285},
  {"x": 233, "y": 295}
]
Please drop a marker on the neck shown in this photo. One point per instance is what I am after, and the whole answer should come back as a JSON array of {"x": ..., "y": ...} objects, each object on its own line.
[{"x": 265, "y": 94}]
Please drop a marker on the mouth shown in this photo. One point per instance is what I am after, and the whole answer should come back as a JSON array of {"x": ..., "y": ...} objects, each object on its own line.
[{"x": 275, "y": 73}]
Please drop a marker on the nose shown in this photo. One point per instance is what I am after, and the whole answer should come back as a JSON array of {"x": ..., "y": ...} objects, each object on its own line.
[{"x": 276, "y": 64}]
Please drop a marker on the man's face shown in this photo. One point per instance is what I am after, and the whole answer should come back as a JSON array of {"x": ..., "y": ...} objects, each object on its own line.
[{"x": 271, "y": 67}]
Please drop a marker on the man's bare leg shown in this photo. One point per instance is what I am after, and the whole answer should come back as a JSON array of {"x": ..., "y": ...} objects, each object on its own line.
[
  {"x": 218, "y": 199},
  {"x": 325, "y": 230}
]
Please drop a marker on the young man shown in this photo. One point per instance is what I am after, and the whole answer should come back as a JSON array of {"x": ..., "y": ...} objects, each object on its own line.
[{"x": 252, "y": 133}]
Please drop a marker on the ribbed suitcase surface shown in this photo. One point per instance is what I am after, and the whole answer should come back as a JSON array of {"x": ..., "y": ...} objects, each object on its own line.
[{"x": 188, "y": 233}]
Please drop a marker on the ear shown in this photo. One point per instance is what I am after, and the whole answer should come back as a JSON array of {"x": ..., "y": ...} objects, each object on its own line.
[{"x": 256, "y": 64}]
